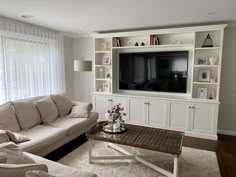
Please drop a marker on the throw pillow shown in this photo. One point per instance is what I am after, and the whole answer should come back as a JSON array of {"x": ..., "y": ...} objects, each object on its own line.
[
  {"x": 37, "y": 174},
  {"x": 47, "y": 109},
  {"x": 3, "y": 136},
  {"x": 8, "y": 119},
  {"x": 14, "y": 154},
  {"x": 17, "y": 137},
  {"x": 63, "y": 103},
  {"x": 19, "y": 170},
  {"x": 27, "y": 114},
  {"x": 81, "y": 111}
]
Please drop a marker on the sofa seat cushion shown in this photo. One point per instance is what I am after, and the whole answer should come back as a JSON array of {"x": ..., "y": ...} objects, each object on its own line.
[
  {"x": 27, "y": 114},
  {"x": 19, "y": 170},
  {"x": 14, "y": 154},
  {"x": 41, "y": 137},
  {"x": 58, "y": 169},
  {"x": 8, "y": 119},
  {"x": 73, "y": 125}
]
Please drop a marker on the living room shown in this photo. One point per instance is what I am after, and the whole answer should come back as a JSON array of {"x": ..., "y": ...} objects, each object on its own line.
[{"x": 117, "y": 88}]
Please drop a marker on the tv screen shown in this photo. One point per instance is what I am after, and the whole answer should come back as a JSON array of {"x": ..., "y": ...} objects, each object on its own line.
[{"x": 154, "y": 71}]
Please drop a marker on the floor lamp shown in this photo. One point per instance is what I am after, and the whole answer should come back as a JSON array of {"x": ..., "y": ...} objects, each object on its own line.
[{"x": 82, "y": 66}]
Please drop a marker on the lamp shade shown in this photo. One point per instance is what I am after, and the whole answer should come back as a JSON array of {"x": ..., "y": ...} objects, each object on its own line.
[{"x": 82, "y": 65}]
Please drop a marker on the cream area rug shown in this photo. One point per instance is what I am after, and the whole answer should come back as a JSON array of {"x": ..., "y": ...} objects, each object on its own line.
[{"x": 192, "y": 163}]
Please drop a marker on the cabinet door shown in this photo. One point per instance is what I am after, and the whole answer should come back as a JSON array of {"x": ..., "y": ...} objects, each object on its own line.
[
  {"x": 101, "y": 105},
  {"x": 179, "y": 115},
  {"x": 137, "y": 111},
  {"x": 157, "y": 113},
  {"x": 203, "y": 116}
]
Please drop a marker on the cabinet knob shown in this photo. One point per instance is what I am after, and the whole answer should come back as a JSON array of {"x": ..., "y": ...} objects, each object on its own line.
[
  {"x": 193, "y": 107},
  {"x": 189, "y": 107}
]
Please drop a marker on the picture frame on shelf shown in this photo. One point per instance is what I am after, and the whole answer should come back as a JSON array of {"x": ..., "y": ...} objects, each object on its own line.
[
  {"x": 106, "y": 60},
  {"x": 106, "y": 87},
  {"x": 202, "y": 93},
  {"x": 204, "y": 75},
  {"x": 202, "y": 61},
  {"x": 108, "y": 73}
]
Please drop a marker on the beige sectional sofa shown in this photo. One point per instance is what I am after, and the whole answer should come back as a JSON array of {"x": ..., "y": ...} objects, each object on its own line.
[
  {"x": 24, "y": 117},
  {"x": 46, "y": 121}
]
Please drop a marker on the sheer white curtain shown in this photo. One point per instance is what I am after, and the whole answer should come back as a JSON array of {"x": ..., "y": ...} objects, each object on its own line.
[{"x": 31, "y": 61}]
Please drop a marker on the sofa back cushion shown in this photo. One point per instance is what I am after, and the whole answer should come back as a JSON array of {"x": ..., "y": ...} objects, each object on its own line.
[
  {"x": 8, "y": 119},
  {"x": 27, "y": 114},
  {"x": 47, "y": 109},
  {"x": 63, "y": 104}
]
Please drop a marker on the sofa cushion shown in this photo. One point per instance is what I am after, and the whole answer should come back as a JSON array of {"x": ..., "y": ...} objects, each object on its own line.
[
  {"x": 47, "y": 109},
  {"x": 3, "y": 159},
  {"x": 19, "y": 170},
  {"x": 63, "y": 103},
  {"x": 27, "y": 114},
  {"x": 81, "y": 111},
  {"x": 17, "y": 137},
  {"x": 3, "y": 136},
  {"x": 14, "y": 154},
  {"x": 38, "y": 174},
  {"x": 58, "y": 169},
  {"x": 73, "y": 125},
  {"x": 41, "y": 137},
  {"x": 8, "y": 119}
]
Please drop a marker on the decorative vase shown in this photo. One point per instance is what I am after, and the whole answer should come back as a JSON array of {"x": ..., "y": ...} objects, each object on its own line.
[
  {"x": 115, "y": 125},
  {"x": 213, "y": 60}
]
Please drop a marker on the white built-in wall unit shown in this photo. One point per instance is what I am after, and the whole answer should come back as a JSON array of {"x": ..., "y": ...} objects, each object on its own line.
[{"x": 195, "y": 111}]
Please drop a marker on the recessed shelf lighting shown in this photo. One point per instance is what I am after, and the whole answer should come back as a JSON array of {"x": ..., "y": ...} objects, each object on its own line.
[{"x": 26, "y": 16}]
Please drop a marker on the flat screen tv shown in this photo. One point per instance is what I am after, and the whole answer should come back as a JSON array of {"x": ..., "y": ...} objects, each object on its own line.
[{"x": 154, "y": 71}]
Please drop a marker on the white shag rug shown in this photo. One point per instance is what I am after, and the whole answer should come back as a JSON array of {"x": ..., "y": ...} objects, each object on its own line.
[{"x": 192, "y": 163}]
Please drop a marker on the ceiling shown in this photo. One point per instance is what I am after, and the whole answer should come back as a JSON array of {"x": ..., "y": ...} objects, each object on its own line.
[{"x": 86, "y": 16}]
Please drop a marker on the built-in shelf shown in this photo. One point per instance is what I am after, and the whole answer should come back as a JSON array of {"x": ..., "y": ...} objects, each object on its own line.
[
  {"x": 157, "y": 46},
  {"x": 206, "y": 66},
  {"x": 207, "y": 48},
  {"x": 105, "y": 51},
  {"x": 205, "y": 83},
  {"x": 103, "y": 79},
  {"x": 102, "y": 65}
]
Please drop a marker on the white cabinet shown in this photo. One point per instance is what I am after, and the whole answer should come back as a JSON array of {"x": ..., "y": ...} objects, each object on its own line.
[
  {"x": 178, "y": 115},
  {"x": 157, "y": 110},
  {"x": 195, "y": 118},
  {"x": 137, "y": 111},
  {"x": 149, "y": 112},
  {"x": 202, "y": 119},
  {"x": 101, "y": 104}
]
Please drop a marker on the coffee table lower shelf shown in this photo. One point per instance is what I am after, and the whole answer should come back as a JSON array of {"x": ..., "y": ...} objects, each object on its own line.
[{"x": 139, "y": 158}]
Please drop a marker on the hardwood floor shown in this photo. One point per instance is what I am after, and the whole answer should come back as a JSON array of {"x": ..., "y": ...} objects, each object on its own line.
[{"x": 225, "y": 149}]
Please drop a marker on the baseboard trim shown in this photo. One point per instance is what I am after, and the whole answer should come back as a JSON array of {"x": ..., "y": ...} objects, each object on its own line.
[{"x": 227, "y": 132}]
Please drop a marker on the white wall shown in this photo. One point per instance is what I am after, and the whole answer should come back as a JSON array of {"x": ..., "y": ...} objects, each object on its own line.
[
  {"x": 83, "y": 50},
  {"x": 69, "y": 73},
  {"x": 227, "y": 114}
]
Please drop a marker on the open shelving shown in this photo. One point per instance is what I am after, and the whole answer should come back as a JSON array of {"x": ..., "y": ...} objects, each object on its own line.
[{"x": 178, "y": 39}]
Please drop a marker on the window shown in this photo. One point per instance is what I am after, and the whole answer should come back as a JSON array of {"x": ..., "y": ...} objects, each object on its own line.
[{"x": 30, "y": 65}]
